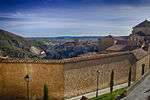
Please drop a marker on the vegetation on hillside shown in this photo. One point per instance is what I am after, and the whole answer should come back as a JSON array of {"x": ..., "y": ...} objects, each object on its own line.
[
  {"x": 14, "y": 46},
  {"x": 105, "y": 43}
]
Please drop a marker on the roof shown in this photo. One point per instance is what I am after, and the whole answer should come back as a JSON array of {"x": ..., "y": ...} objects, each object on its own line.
[
  {"x": 139, "y": 53},
  {"x": 116, "y": 47},
  {"x": 145, "y": 23},
  {"x": 2, "y": 58},
  {"x": 109, "y": 36}
]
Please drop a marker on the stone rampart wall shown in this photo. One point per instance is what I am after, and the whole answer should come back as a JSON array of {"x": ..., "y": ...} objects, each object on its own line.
[
  {"x": 13, "y": 85},
  {"x": 80, "y": 77},
  {"x": 68, "y": 77}
]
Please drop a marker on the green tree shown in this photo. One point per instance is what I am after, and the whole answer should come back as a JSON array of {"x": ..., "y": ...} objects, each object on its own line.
[
  {"x": 112, "y": 81},
  {"x": 105, "y": 42},
  {"x": 129, "y": 77},
  {"x": 45, "y": 91}
]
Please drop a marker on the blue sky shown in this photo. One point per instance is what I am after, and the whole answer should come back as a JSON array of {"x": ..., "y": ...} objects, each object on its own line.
[{"x": 32, "y": 18}]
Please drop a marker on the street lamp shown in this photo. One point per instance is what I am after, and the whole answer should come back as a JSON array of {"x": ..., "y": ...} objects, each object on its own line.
[
  {"x": 28, "y": 78},
  {"x": 97, "y": 82}
]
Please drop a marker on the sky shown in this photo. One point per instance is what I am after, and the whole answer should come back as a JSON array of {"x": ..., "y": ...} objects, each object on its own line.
[{"x": 53, "y": 18}]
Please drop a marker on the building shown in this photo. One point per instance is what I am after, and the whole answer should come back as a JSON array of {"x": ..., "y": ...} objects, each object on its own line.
[
  {"x": 141, "y": 32},
  {"x": 117, "y": 48}
]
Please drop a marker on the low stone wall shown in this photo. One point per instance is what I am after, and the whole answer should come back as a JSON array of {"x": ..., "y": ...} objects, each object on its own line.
[
  {"x": 13, "y": 85},
  {"x": 80, "y": 77}
]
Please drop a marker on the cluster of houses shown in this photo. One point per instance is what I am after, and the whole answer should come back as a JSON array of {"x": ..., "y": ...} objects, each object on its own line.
[{"x": 140, "y": 37}]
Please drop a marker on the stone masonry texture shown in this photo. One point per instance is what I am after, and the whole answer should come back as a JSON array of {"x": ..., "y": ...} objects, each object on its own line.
[
  {"x": 66, "y": 78},
  {"x": 80, "y": 77},
  {"x": 13, "y": 85}
]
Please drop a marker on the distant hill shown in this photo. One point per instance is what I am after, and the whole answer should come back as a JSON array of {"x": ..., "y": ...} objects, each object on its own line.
[
  {"x": 14, "y": 46},
  {"x": 63, "y": 39}
]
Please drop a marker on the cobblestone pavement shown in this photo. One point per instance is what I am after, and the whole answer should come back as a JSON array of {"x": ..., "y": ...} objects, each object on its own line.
[
  {"x": 141, "y": 91},
  {"x": 103, "y": 91}
]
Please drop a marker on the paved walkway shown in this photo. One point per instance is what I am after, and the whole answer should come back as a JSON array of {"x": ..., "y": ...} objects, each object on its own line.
[
  {"x": 93, "y": 94},
  {"x": 141, "y": 91}
]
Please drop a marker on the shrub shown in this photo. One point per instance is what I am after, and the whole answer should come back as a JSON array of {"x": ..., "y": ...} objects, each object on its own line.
[
  {"x": 129, "y": 77},
  {"x": 45, "y": 91},
  {"x": 142, "y": 73},
  {"x": 112, "y": 81}
]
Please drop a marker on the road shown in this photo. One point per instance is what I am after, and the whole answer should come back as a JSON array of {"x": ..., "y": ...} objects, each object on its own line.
[
  {"x": 141, "y": 91},
  {"x": 93, "y": 94}
]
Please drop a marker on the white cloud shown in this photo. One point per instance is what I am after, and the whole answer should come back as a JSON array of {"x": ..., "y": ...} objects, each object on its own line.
[{"x": 113, "y": 19}]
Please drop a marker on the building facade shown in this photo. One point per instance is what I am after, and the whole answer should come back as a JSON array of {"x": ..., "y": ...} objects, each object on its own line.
[{"x": 141, "y": 32}]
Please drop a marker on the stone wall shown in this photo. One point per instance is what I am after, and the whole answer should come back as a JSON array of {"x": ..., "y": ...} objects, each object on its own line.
[
  {"x": 13, "y": 85},
  {"x": 68, "y": 77},
  {"x": 144, "y": 60},
  {"x": 80, "y": 77}
]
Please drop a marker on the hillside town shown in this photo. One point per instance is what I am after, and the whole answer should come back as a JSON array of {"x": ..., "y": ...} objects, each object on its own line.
[{"x": 82, "y": 72}]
